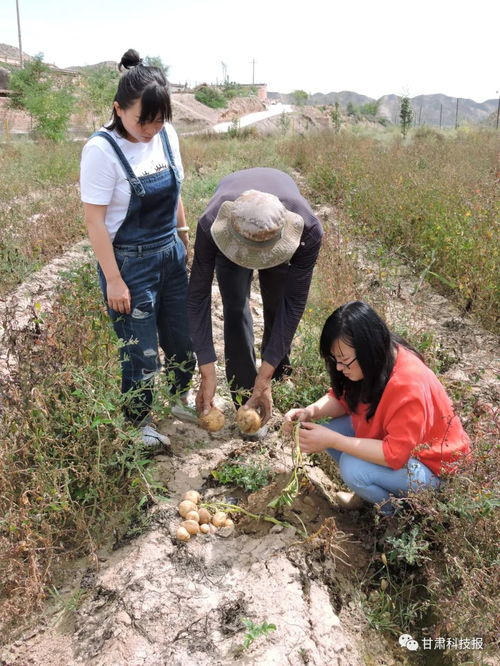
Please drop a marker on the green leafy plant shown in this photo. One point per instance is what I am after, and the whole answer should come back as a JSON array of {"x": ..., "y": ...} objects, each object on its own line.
[
  {"x": 405, "y": 114},
  {"x": 255, "y": 631},
  {"x": 211, "y": 97},
  {"x": 99, "y": 87},
  {"x": 409, "y": 547},
  {"x": 299, "y": 97},
  {"x": 48, "y": 100},
  {"x": 250, "y": 476}
]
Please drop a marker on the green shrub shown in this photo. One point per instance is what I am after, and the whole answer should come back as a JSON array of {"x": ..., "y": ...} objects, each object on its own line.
[
  {"x": 211, "y": 97},
  {"x": 249, "y": 475},
  {"x": 48, "y": 100}
]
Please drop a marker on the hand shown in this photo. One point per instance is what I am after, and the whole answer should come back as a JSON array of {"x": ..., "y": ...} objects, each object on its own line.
[
  {"x": 118, "y": 295},
  {"x": 261, "y": 399},
  {"x": 206, "y": 392},
  {"x": 314, "y": 438},
  {"x": 184, "y": 236},
  {"x": 300, "y": 414}
]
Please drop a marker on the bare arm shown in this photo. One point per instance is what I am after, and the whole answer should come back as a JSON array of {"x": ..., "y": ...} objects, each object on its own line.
[
  {"x": 314, "y": 437},
  {"x": 118, "y": 295},
  {"x": 326, "y": 406},
  {"x": 182, "y": 231}
]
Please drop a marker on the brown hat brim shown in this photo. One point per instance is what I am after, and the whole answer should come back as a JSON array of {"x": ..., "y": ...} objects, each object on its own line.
[{"x": 251, "y": 254}]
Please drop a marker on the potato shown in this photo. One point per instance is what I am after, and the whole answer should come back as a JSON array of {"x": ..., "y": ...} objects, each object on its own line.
[
  {"x": 193, "y": 515},
  {"x": 185, "y": 507},
  {"x": 205, "y": 515},
  {"x": 219, "y": 519},
  {"x": 192, "y": 496},
  {"x": 228, "y": 523},
  {"x": 191, "y": 526},
  {"x": 204, "y": 528},
  {"x": 212, "y": 528},
  {"x": 213, "y": 421},
  {"x": 248, "y": 420},
  {"x": 182, "y": 534}
]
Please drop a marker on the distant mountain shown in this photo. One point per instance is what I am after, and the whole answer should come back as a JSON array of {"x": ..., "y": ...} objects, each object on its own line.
[
  {"x": 109, "y": 64},
  {"x": 319, "y": 99},
  {"x": 427, "y": 109},
  {"x": 10, "y": 54}
]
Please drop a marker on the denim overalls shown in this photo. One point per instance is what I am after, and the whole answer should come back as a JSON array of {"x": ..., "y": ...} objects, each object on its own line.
[{"x": 151, "y": 260}]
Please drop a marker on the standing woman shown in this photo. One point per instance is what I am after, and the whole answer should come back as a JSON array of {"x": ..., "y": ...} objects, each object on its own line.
[
  {"x": 393, "y": 428},
  {"x": 131, "y": 174}
]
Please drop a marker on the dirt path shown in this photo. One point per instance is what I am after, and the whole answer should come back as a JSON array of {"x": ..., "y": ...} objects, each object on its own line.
[{"x": 156, "y": 601}]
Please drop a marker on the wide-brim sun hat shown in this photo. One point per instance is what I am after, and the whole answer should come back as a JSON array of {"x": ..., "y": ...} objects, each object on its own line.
[{"x": 257, "y": 231}]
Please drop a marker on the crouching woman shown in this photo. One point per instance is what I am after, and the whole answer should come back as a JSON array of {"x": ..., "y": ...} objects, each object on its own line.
[{"x": 392, "y": 429}]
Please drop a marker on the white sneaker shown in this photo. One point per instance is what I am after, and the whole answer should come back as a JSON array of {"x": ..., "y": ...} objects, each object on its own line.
[{"x": 152, "y": 439}]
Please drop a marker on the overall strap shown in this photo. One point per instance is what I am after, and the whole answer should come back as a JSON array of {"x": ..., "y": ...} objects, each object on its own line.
[
  {"x": 135, "y": 183},
  {"x": 168, "y": 150}
]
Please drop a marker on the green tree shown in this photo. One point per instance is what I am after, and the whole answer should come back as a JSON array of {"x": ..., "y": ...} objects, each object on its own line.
[
  {"x": 33, "y": 75},
  {"x": 99, "y": 90},
  {"x": 405, "y": 114},
  {"x": 47, "y": 100},
  {"x": 299, "y": 97},
  {"x": 335, "y": 116},
  {"x": 351, "y": 109},
  {"x": 156, "y": 61},
  {"x": 369, "y": 109}
]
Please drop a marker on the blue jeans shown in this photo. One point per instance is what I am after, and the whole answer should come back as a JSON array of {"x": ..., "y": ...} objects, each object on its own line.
[
  {"x": 157, "y": 281},
  {"x": 376, "y": 483}
]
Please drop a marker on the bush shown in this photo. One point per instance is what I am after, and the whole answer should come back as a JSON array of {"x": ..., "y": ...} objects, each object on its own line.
[
  {"x": 211, "y": 97},
  {"x": 50, "y": 102}
]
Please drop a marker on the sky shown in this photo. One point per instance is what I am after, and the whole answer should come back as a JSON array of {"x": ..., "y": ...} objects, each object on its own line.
[{"x": 372, "y": 47}]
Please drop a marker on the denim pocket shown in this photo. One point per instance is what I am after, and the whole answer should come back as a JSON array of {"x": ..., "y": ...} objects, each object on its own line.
[{"x": 121, "y": 261}]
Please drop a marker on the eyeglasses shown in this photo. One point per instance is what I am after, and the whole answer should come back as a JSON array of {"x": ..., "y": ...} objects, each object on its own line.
[{"x": 346, "y": 365}]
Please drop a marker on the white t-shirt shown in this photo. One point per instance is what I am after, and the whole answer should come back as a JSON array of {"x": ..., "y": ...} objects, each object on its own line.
[{"x": 102, "y": 177}]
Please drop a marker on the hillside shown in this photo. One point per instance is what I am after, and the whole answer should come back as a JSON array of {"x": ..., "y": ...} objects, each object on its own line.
[
  {"x": 426, "y": 108},
  {"x": 436, "y": 109}
]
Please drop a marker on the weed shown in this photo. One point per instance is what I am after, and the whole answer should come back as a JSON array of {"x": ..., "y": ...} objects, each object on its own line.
[
  {"x": 70, "y": 470},
  {"x": 255, "y": 631},
  {"x": 409, "y": 547},
  {"x": 250, "y": 476}
]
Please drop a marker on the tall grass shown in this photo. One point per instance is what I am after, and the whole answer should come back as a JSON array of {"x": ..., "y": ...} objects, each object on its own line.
[
  {"x": 40, "y": 211},
  {"x": 68, "y": 469},
  {"x": 433, "y": 199}
]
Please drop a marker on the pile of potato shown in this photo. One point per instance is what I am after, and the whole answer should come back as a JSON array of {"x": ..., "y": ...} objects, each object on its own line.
[{"x": 198, "y": 520}]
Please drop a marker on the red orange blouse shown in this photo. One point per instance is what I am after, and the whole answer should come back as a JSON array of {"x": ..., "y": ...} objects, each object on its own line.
[{"x": 414, "y": 418}]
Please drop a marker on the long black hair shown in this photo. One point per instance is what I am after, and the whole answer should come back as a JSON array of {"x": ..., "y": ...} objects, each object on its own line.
[
  {"x": 145, "y": 82},
  {"x": 358, "y": 325}
]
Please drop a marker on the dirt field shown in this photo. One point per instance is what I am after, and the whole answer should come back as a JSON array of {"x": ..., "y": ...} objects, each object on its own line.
[{"x": 153, "y": 600}]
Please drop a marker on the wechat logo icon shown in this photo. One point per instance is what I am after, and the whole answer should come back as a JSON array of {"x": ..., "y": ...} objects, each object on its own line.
[{"x": 405, "y": 640}]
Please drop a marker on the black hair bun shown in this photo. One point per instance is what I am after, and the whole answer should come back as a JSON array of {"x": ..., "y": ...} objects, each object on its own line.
[{"x": 130, "y": 58}]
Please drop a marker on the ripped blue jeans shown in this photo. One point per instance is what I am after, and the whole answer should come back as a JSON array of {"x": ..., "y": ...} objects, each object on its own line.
[
  {"x": 157, "y": 281},
  {"x": 377, "y": 483}
]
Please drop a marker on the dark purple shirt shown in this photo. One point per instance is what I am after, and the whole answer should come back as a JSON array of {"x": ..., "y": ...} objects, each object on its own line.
[{"x": 301, "y": 264}]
